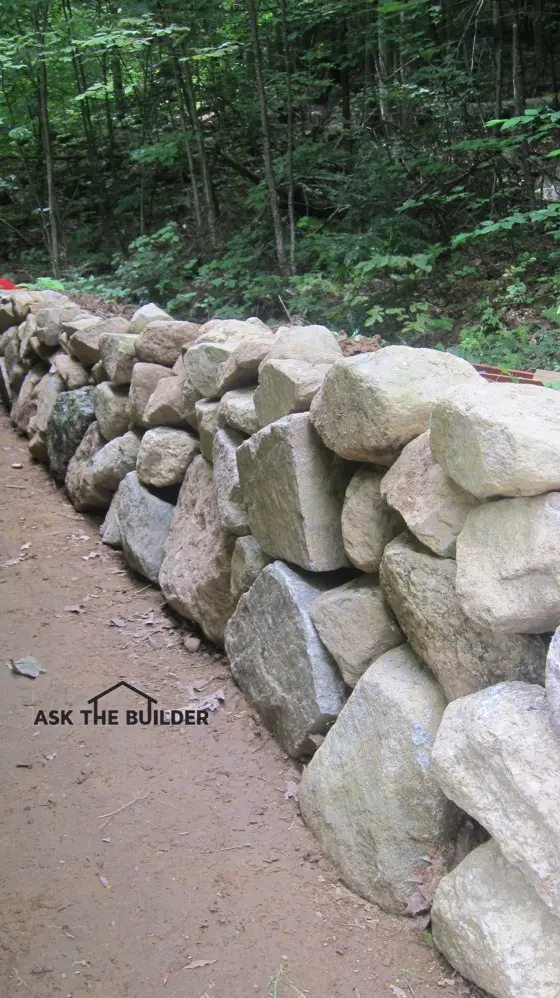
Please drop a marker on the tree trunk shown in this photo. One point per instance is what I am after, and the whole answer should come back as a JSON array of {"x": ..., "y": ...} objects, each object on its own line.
[
  {"x": 267, "y": 154},
  {"x": 190, "y": 157},
  {"x": 383, "y": 65},
  {"x": 289, "y": 139},
  {"x": 54, "y": 245},
  {"x": 209, "y": 196},
  {"x": 519, "y": 99}
]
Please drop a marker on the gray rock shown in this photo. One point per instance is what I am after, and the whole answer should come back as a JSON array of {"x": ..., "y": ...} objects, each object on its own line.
[
  {"x": 207, "y": 425},
  {"x": 420, "y": 588},
  {"x": 145, "y": 377},
  {"x": 7, "y": 315},
  {"x": 47, "y": 392},
  {"x": 247, "y": 563},
  {"x": 80, "y": 484},
  {"x": 118, "y": 353},
  {"x": 190, "y": 397},
  {"x": 163, "y": 341},
  {"x": 373, "y": 404},
  {"x": 111, "y": 409},
  {"x": 278, "y": 661},
  {"x": 287, "y": 386},
  {"x": 433, "y": 507},
  {"x": 314, "y": 344},
  {"x": 508, "y": 564},
  {"x": 73, "y": 374},
  {"x": 109, "y": 530},
  {"x": 195, "y": 573},
  {"x": 5, "y": 388},
  {"x": 164, "y": 456},
  {"x": 368, "y": 523},
  {"x": 237, "y": 410},
  {"x": 115, "y": 459},
  {"x": 84, "y": 342},
  {"x": 145, "y": 314},
  {"x": 68, "y": 421},
  {"x": 355, "y": 625},
  {"x": 75, "y": 319},
  {"x": 143, "y": 523},
  {"x": 499, "y": 440},
  {"x": 166, "y": 404},
  {"x": 222, "y": 330},
  {"x": 241, "y": 368},
  {"x": 553, "y": 679},
  {"x": 202, "y": 362},
  {"x": 229, "y": 497},
  {"x": 294, "y": 488},
  {"x": 368, "y": 794},
  {"x": 491, "y": 926},
  {"x": 98, "y": 373},
  {"x": 498, "y": 757},
  {"x": 25, "y": 406}
]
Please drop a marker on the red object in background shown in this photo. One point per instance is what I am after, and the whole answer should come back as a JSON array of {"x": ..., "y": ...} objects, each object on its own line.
[{"x": 7, "y": 285}]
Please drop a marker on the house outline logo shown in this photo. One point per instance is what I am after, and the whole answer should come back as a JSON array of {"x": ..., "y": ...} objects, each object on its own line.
[{"x": 150, "y": 714}]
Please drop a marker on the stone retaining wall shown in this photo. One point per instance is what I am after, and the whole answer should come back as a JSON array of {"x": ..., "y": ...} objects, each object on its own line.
[{"x": 376, "y": 542}]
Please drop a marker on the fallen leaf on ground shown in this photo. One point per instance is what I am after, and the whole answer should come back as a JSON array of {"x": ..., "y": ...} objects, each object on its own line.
[
  {"x": 16, "y": 561},
  {"x": 117, "y": 622},
  {"x": 104, "y": 881},
  {"x": 292, "y": 790},
  {"x": 27, "y": 666},
  {"x": 212, "y": 702},
  {"x": 17, "y": 465},
  {"x": 398, "y": 992},
  {"x": 25, "y": 547},
  {"x": 50, "y": 757},
  {"x": 75, "y": 608},
  {"x": 92, "y": 554},
  {"x": 194, "y": 964},
  {"x": 165, "y": 977}
]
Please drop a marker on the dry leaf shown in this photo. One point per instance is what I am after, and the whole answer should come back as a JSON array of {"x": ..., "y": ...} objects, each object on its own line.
[
  {"x": 292, "y": 789},
  {"x": 104, "y": 881},
  {"x": 117, "y": 622},
  {"x": 75, "y": 608},
  {"x": 398, "y": 992},
  {"x": 25, "y": 547},
  {"x": 17, "y": 465},
  {"x": 165, "y": 977},
  {"x": 198, "y": 963},
  {"x": 92, "y": 554}
]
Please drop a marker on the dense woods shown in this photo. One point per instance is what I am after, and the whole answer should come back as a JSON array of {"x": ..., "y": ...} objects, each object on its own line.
[{"x": 384, "y": 167}]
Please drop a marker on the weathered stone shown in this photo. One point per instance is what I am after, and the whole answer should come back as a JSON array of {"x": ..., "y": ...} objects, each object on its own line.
[
  {"x": 202, "y": 362},
  {"x": 9, "y": 334},
  {"x": 465, "y": 657},
  {"x": 498, "y": 757},
  {"x": 145, "y": 377},
  {"x": 27, "y": 335},
  {"x": 508, "y": 564},
  {"x": 491, "y": 927},
  {"x": 373, "y": 404},
  {"x": 287, "y": 386},
  {"x": 111, "y": 409},
  {"x": 368, "y": 523},
  {"x": 221, "y": 330},
  {"x": 190, "y": 397},
  {"x": 278, "y": 661},
  {"x": 195, "y": 574},
  {"x": 237, "y": 410},
  {"x": 207, "y": 425},
  {"x": 553, "y": 679},
  {"x": 73, "y": 374},
  {"x": 115, "y": 459},
  {"x": 7, "y": 315},
  {"x": 74, "y": 319},
  {"x": 99, "y": 373},
  {"x": 47, "y": 392},
  {"x": 49, "y": 325},
  {"x": 145, "y": 314},
  {"x": 118, "y": 353},
  {"x": 143, "y": 523},
  {"x": 229, "y": 497},
  {"x": 38, "y": 447},
  {"x": 162, "y": 342},
  {"x": 166, "y": 404},
  {"x": 433, "y": 507},
  {"x": 16, "y": 368},
  {"x": 84, "y": 342},
  {"x": 314, "y": 344},
  {"x": 109, "y": 530},
  {"x": 368, "y": 794},
  {"x": 80, "y": 484},
  {"x": 5, "y": 388},
  {"x": 499, "y": 440},
  {"x": 165, "y": 455},
  {"x": 294, "y": 490},
  {"x": 241, "y": 368},
  {"x": 68, "y": 421},
  {"x": 355, "y": 625},
  {"x": 247, "y": 563},
  {"x": 25, "y": 406}
]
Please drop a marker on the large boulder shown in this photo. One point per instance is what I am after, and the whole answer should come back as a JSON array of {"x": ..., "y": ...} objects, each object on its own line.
[
  {"x": 222, "y": 330},
  {"x": 294, "y": 489},
  {"x": 237, "y": 410},
  {"x": 143, "y": 521},
  {"x": 368, "y": 522},
  {"x": 25, "y": 406},
  {"x": 68, "y": 421},
  {"x": 202, "y": 363},
  {"x": 146, "y": 314},
  {"x": 287, "y": 386},
  {"x": 115, "y": 459},
  {"x": 465, "y": 657},
  {"x": 118, "y": 353},
  {"x": 111, "y": 409},
  {"x": 355, "y": 625},
  {"x": 368, "y": 794},
  {"x": 73, "y": 374},
  {"x": 498, "y": 757},
  {"x": 508, "y": 564},
  {"x": 166, "y": 404},
  {"x": 247, "y": 562},
  {"x": 241, "y": 367},
  {"x": 164, "y": 456},
  {"x": 46, "y": 394},
  {"x": 278, "y": 661},
  {"x": 190, "y": 397},
  {"x": 163, "y": 341},
  {"x": 80, "y": 484},
  {"x": 313, "y": 344},
  {"x": 229, "y": 497},
  {"x": 206, "y": 413},
  {"x": 491, "y": 927},
  {"x": 499, "y": 440},
  {"x": 145, "y": 377},
  {"x": 373, "y": 404},
  {"x": 84, "y": 342},
  {"x": 553, "y": 679},
  {"x": 433, "y": 507},
  {"x": 195, "y": 574}
]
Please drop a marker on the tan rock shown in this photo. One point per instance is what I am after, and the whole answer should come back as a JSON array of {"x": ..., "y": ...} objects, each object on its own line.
[{"x": 368, "y": 523}]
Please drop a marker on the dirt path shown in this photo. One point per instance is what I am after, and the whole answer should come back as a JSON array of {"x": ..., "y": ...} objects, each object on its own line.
[{"x": 212, "y": 863}]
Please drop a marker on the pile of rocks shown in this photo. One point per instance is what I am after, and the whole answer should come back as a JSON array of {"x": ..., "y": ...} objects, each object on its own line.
[{"x": 375, "y": 540}]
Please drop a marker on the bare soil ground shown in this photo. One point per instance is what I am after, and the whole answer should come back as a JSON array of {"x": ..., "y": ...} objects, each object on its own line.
[{"x": 211, "y": 863}]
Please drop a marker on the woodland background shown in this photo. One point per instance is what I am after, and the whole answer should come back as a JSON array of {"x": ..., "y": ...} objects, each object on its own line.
[{"x": 383, "y": 167}]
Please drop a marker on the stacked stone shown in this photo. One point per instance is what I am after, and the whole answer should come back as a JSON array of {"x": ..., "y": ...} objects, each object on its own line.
[{"x": 376, "y": 541}]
